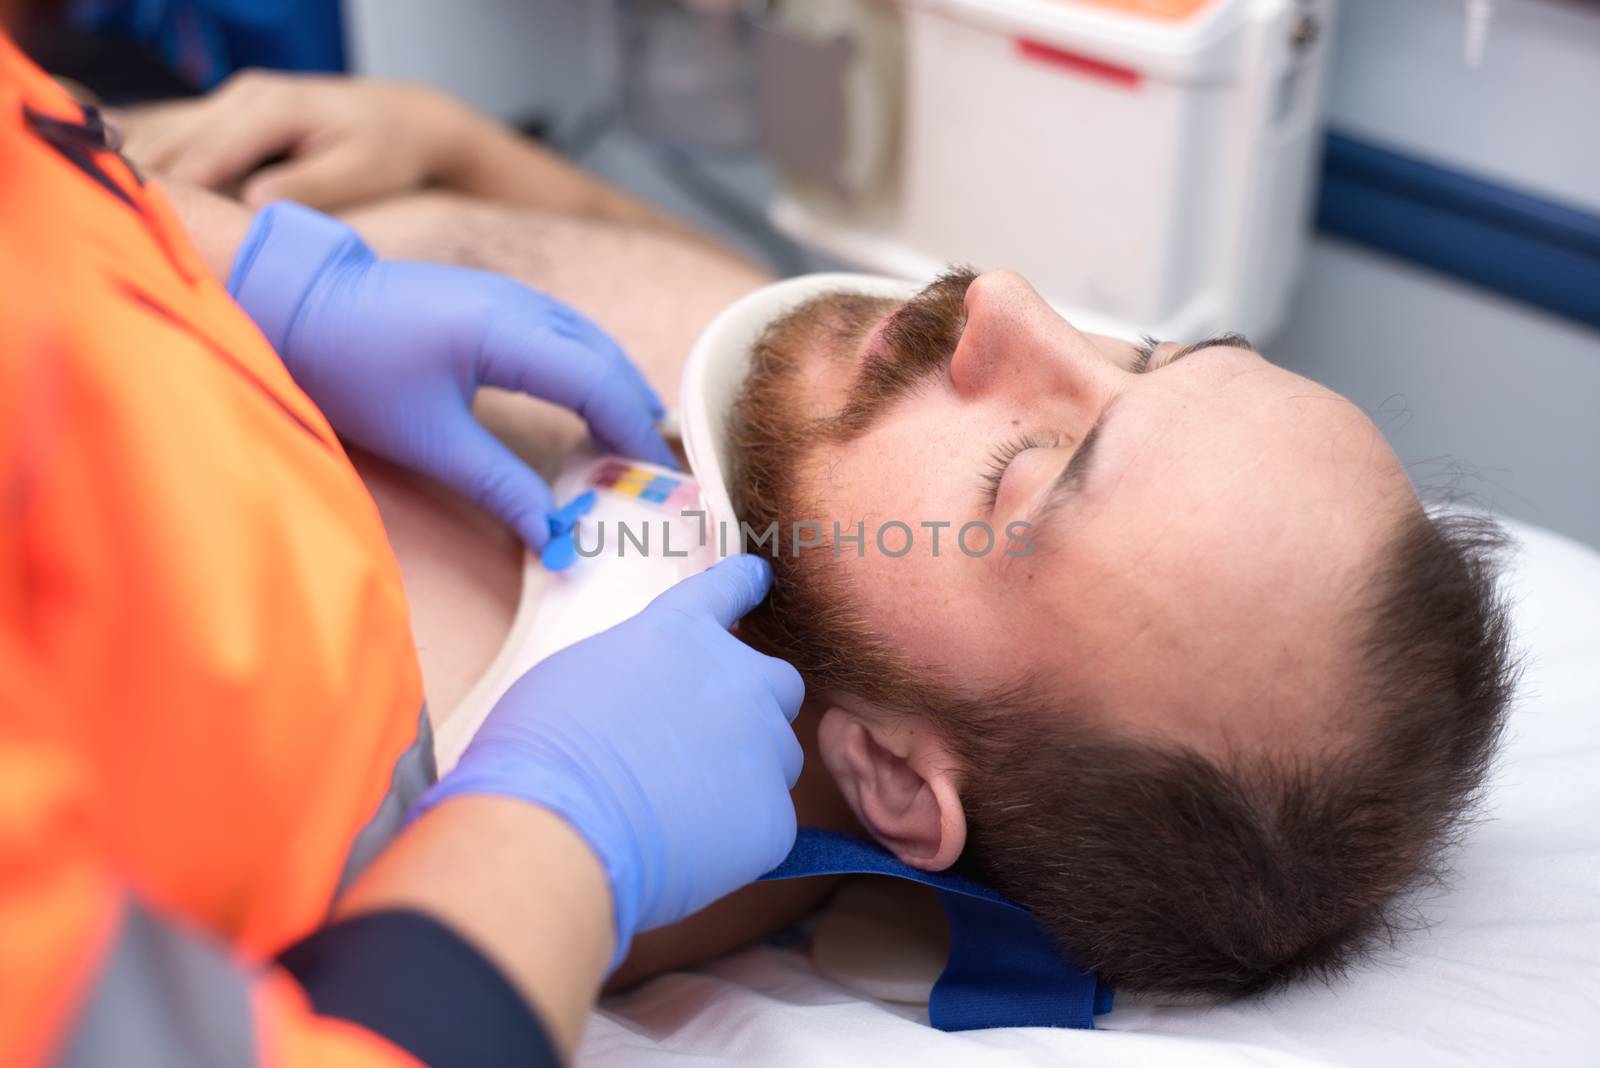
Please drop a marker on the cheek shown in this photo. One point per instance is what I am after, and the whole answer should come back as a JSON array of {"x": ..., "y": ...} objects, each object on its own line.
[
  {"x": 918, "y": 604},
  {"x": 888, "y": 477},
  {"x": 904, "y": 592},
  {"x": 939, "y": 611},
  {"x": 943, "y": 613}
]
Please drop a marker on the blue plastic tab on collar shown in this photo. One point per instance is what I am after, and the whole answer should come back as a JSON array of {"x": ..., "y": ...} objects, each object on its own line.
[
  {"x": 1004, "y": 968},
  {"x": 559, "y": 552},
  {"x": 562, "y": 549},
  {"x": 563, "y": 519}
]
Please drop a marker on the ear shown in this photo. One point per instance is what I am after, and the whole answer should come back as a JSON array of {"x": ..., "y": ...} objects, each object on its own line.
[{"x": 899, "y": 778}]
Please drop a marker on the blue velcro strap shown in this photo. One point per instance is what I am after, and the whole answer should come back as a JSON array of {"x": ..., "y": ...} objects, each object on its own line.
[{"x": 1004, "y": 968}]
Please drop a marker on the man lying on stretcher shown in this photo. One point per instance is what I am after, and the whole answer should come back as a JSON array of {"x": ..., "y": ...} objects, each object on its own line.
[{"x": 1211, "y": 727}]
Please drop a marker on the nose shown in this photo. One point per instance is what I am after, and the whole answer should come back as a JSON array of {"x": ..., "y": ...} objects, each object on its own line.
[{"x": 1014, "y": 342}]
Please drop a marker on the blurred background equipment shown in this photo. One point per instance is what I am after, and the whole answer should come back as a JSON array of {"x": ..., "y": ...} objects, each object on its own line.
[{"x": 1146, "y": 164}]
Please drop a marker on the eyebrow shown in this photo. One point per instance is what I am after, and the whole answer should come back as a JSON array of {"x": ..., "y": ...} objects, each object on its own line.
[{"x": 1073, "y": 477}]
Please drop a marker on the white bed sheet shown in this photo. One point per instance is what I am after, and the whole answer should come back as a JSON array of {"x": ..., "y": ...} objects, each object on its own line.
[{"x": 1507, "y": 974}]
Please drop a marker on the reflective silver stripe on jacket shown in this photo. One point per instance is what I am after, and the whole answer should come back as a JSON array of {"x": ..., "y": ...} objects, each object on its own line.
[
  {"x": 164, "y": 997},
  {"x": 414, "y": 772}
]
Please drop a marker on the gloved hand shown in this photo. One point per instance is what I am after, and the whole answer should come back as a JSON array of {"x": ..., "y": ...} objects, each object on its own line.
[
  {"x": 393, "y": 352},
  {"x": 664, "y": 741}
]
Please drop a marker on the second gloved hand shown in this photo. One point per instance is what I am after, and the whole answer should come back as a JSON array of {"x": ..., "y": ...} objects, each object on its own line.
[
  {"x": 664, "y": 741},
  {"x": 393, "y": 353}
]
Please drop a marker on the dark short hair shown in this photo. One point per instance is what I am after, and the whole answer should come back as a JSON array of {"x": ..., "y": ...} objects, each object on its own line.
[{"x": 1160, "y": 868}]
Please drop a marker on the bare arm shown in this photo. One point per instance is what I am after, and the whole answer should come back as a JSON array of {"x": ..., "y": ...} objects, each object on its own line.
[
  {"x": 501, "y": 166},
  {"x": 335, "y": 143},
  {"x": 516, "y": 882}
]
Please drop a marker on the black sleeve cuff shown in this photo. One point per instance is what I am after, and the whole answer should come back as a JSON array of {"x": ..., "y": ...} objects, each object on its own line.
[{"x": 413, "y": 980}]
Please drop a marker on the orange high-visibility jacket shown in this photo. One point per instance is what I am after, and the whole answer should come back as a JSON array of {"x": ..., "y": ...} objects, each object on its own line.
[{"x": 206, "y": 670}]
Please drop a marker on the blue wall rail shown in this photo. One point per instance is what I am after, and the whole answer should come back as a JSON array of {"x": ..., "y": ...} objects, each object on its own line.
[{"x": 1524, "y": 246}]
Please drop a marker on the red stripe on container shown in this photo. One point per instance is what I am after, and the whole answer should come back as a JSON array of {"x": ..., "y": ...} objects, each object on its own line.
[{"x": 1095, "y": 68}]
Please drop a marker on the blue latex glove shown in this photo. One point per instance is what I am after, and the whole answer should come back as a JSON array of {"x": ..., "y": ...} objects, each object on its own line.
[
  {"x": 665, "y": 741},
  {"x": 393, "y": 352}
]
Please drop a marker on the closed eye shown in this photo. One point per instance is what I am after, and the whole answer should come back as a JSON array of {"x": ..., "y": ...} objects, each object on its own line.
[
  {"x": 999, "y": 460},
  {"x": 1142, "y": 354}
]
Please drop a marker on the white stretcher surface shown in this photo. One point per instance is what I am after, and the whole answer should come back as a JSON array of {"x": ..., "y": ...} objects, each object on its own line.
[{"x": 1508, "y": 973}]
